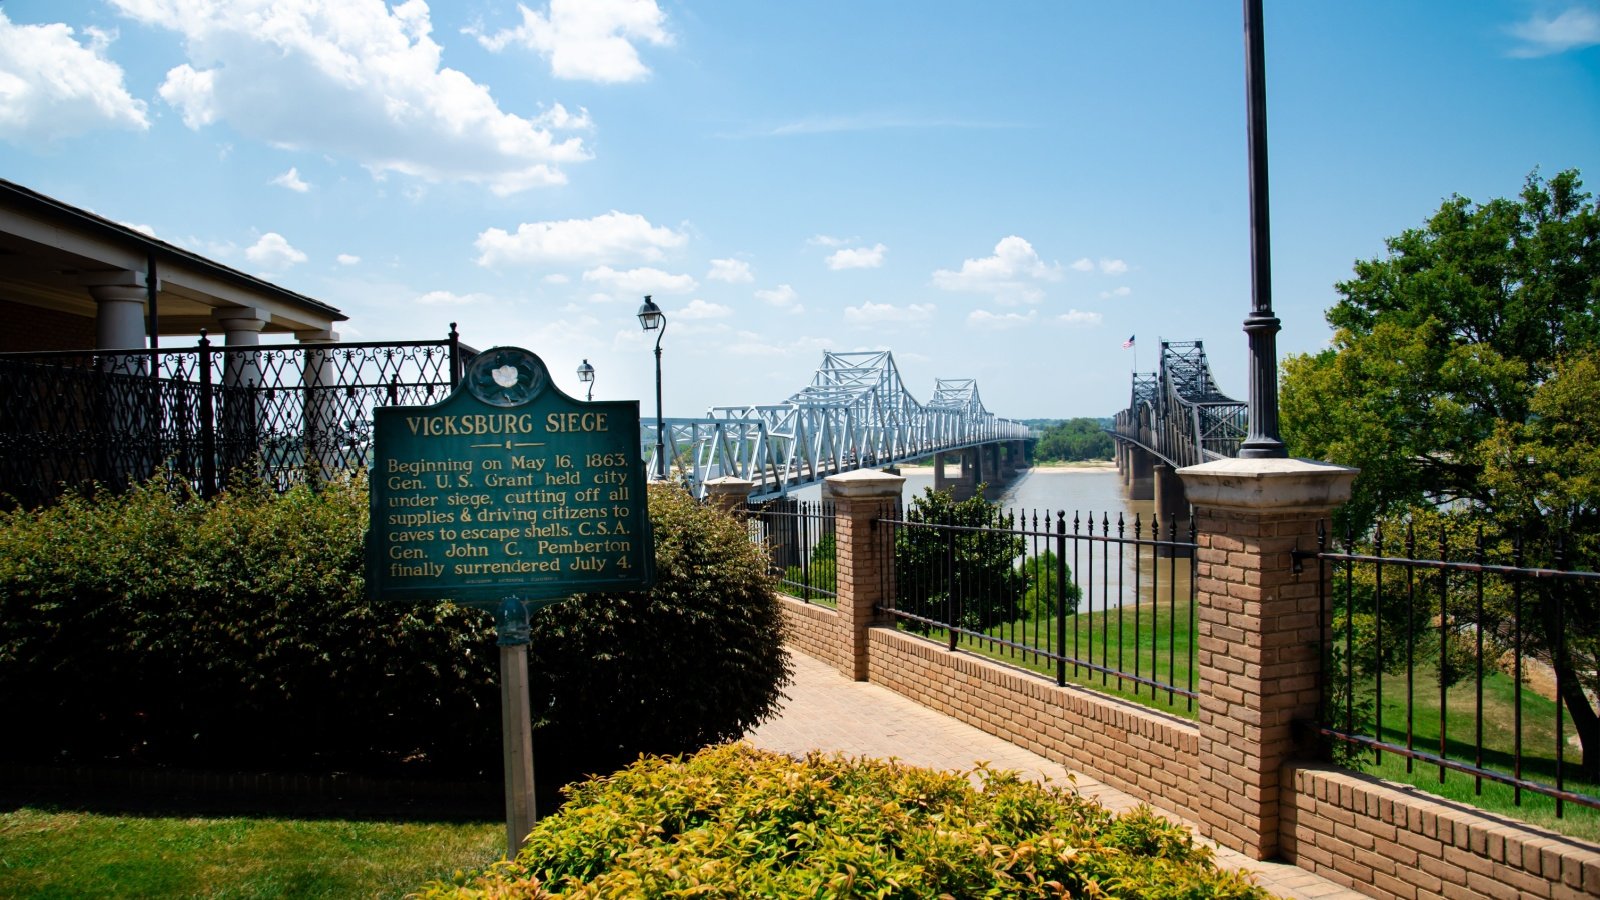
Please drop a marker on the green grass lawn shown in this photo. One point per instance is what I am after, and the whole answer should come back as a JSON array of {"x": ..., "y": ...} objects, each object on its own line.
[
  {"x": 45, "y": 853},
  {"x": 1499, "y": 734}
]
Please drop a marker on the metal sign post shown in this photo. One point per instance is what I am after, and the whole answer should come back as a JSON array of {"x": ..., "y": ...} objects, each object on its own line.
[{"x": 508, "y": 495}]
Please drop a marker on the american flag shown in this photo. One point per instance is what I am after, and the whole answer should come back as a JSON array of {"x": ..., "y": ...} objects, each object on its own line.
[{"x": 1128, "y": 344}]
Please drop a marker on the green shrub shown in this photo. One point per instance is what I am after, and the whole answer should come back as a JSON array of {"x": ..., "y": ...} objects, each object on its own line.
[
  {"x": 233, "y": 632},
  {"x": 155, "y": 625},
  {"x": 973, "y": 557},
  {"x": 696, "y": 660},
  {"x": 733, "y": 821}
]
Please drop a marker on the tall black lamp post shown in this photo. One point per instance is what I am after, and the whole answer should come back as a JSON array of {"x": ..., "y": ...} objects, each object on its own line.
[
  {"x": 586, "y": 376},
  {"x": 651, "y": 318},
  {"x": 1261, "y": 325}
]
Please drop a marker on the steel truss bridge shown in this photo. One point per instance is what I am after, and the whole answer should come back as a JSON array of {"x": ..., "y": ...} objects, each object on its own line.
[
  {"x": 856, "y": 413},
  {"x": 1179, "y": 414}
]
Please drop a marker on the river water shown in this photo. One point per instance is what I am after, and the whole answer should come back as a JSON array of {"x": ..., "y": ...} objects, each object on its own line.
[{"x": 1096, "y": 498}]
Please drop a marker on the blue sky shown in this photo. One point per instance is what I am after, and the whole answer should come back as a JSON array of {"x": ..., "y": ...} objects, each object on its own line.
[{"x": 995, "y": 191}]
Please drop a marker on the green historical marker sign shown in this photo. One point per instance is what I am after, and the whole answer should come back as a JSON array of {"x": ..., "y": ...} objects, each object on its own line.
[{"x": 508, "y": 487}]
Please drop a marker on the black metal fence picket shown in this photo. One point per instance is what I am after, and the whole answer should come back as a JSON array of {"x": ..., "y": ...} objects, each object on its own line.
[
  {"x": 1438, "y": 639},
  {"x": 290, "y": 412},
  {"x": 799, "y": 538},
  {"x": 1104, "y": 604}
]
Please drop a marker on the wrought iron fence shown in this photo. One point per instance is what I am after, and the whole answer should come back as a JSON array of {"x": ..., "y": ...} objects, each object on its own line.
[
  {"x": 799, "y": 537},
  {"x": 1107, "y": 605},
  {"x": 1439, "y": 662},
  {"x": 286, "y": 412}
]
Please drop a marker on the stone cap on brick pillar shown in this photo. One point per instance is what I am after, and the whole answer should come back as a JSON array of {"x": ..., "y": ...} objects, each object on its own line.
[
  {"x": 863, "y": 484},
  {"x": 1268, "y": 484},
  {"x": 729, "y": 492}
]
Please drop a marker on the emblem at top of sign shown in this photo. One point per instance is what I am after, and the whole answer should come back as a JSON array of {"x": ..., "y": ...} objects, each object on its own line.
[{"x": 505, "y": 376}]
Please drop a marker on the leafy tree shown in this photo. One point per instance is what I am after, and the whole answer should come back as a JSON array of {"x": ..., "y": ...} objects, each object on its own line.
[
  {"x": 1074, "y": 440},
  {"x": 1044, "y": 587},
  {"x": 963, "y": 552},
  {"x": 1462, "y": 380}
]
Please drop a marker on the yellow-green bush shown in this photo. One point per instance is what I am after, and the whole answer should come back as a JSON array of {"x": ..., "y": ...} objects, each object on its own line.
[{"x": 733, "y": 821}]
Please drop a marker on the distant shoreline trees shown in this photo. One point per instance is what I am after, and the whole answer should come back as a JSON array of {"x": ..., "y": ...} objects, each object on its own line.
[{"x": 1075, "y": 440}]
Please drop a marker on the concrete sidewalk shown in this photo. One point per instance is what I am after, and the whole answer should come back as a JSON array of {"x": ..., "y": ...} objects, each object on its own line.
[{"x": 825, "y": 711}]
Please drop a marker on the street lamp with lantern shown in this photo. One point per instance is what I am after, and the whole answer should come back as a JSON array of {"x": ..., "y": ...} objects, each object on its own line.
[
  {"x": 586, "y": 376},
  {"x": 651, "y": 318}
]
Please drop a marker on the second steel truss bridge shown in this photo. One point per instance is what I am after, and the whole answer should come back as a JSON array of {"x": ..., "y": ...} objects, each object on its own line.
[
  {"x": 856, "y": 413},
  {"x": 1178, "y": 414}
]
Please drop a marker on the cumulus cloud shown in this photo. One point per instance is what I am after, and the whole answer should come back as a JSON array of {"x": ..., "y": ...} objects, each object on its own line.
[
  {"x": 982, "y": 318},
  {"x": 273, "y": 252},
  {"x": 1079, "y": 318},
  {"x": 1083, "y": 265},
  {"x": 749, "y": 343},
  {"x": 700, "y": 309},
  {"x": 587, "y": 40},
  {"x": 858, "y": 257},
  {"x": 355, "y": 79},
  {"x": 870, "y": 313},
  {"x": 1113, "y": 266},
  {"x": 733, "y": 271},
  {"x": 640, "y": 281},
  {"x": 347, "y": 259},
  {"x": 291, "y": 180},
  {"x": 450, "y": 298},
  {"x": 613, "y": 237},
  {"x": 1012, "y": 274},
  {"x": 556, "y": 278},
  {"x": 783, "y": 297},
  {"x": 1574, "y": 28},
  {"x": 824, "y": 240},
  {"x": 53, "y": 87},
  {"x": 1113, "y": 294}
]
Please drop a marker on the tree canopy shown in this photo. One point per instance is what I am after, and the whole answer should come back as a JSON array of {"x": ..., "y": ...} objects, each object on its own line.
[
  {"x": 1074, "y": 440},
  {"x": 1452, "y": 353},
  {"x": 1464, "y": 381}
]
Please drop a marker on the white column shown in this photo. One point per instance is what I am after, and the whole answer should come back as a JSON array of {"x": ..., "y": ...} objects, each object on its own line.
[
  {"x": 119, "y": 318},
  {"x": 320, "y": 414},
  {"x": 241, "y": 327}
]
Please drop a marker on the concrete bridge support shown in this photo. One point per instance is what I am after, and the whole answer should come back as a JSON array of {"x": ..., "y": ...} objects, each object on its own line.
[
  {"x": 1139, "y": 475},
  {"x": 1172, "y": 507}
]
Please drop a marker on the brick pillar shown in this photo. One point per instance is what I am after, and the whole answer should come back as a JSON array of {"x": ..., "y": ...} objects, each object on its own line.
[
  {"x": 865, "y": 555},
  {"x": 729, "y": 493},
  {"x": 1259, "y": 644}
]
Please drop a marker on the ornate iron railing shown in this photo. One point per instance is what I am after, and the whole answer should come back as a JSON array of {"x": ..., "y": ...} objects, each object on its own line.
[{"x": 288, "y": 413}]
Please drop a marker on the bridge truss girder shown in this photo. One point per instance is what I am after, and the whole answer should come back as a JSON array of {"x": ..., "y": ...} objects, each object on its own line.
[
  {"x": 1178, "y": 412},
  {"x": 855, "y": 413}
]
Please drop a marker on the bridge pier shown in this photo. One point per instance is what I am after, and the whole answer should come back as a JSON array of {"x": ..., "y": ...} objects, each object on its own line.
[
  {"x": 1172, "y": 507},
  {"x": 1139, "y": 475}
]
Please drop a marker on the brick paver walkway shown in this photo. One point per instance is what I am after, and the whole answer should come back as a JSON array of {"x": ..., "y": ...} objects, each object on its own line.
[{"x": 825, "y": 711}]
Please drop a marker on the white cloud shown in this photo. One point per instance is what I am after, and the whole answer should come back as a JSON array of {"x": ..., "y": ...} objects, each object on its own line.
[
  {"x": 612, "y": 237},
  {"x": 1012, "y": 274},
  {"x": 52, "y": 87},
  {"x": 823, "y": 240},
  {"x": 982, "y": 318},
  {"x": 700, "y": 309},
  {"x": 1119, "y": 292},
  {"x": 449, "y": 298},
  {"x": 1079, "y": 318},
  {"x": 558, "y": 117},
  {"x": 291, "y": 180},
  {"x": 587, "y": 40},
  {"x": 143, "y": 229},
  {"x": 355, "y": 79},
  {"x": 1113, "y": 266},
  {"x": 870, "y": 313},
  {"x": 1083, "y": 265},
  {"x": 641, "y": 281},
  {"x": 556, "y": 278},
  {"x": 733, "y": 271},
  {"x": 748, "y": 343},
  {"x": 1574, "y": 28},
  {"x": 347, "y": 259},
  {"x": 858, "y": 258},
  {"x": 783, "y": 297},
  {"x": 273, "y": 252}
]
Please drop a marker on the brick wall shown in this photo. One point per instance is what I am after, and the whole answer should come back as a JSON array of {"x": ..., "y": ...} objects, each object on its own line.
[
  {"x": 1390, "y": 841},
  {"x": 1240, "y": 771},
  {"x": 24, "y": 327}
]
